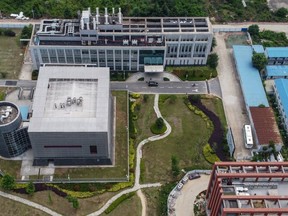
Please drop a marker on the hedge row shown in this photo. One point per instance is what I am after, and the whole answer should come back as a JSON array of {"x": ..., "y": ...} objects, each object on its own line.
[
  {"x": 210, "y": 154},
  {"x": 200, "y": 113},
  {"x": 119, "y": 201}
]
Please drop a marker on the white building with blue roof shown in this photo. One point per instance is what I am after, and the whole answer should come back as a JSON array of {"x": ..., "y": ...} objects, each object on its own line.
[
  {"x": 276, "y": 72},
  {"x": 281, "y": 95},
  {"x": 250, "y": 80},
  {"x": 277, "y": 55}
]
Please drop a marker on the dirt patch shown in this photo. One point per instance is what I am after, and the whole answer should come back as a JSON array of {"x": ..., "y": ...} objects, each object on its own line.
[
  {"x": 236, "y": 39},
  {"x": 218, "y": 132}
]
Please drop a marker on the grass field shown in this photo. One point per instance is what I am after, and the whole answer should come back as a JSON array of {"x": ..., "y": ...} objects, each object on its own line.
[
  {"x": 10, "y": 207},
  {"x": 11, "y": 167},
  {"x": 215, "y": 105},
  {"x": 121, "y": 148},
  {"x": 130, "y": 207},
  {"x": 11, "y": 56},
  {"x": 146, "y": 118},
  {"x": 62, "y": 206},
  {"x": 193, "y": 73},
  {"x": 152, "y": 197},
  {"x": 189, "y": 135}
]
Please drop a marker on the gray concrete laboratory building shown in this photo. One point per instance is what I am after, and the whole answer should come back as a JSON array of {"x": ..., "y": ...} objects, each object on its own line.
[
  {"x": 72, "y": 117},
  {"x": 122, "y": 43}
]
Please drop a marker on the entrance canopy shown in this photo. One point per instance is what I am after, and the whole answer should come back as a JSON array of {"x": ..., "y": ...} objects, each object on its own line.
[{"x": 153, "y": 68}]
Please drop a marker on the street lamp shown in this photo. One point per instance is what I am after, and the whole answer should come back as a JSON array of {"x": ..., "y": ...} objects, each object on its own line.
[{"x": 32, "y": 13}]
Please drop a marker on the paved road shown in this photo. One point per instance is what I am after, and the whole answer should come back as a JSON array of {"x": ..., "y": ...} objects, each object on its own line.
[
  {"x": 163, "y": 88},
  {"x": 233, "y": 100},
  {"x": 197, "y": 87},
  {"x": 278, "y": 27}
]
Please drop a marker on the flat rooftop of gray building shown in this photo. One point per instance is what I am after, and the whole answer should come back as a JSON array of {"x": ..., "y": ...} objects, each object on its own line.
[{"x": 71, "y": 99}]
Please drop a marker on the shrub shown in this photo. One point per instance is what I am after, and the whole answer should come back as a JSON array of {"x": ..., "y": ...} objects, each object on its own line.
[
  {"x": 166, "y": 79},
  {"x": 135, "y": 95},
  {"x": 7, "y": 182},
  {"x": 145, "y": 98},
  {"x": 141, "y": 79},
  {"x": 212, "y": 60},
  {"x": 119, "y": 201},
  {"x": 175, "y": 166},
  {"x": 30, "y": 188},
  {"x": 9, "y": 33},
  {"x": 209, "y": 154},
  {"x": 158, "y": 127}
]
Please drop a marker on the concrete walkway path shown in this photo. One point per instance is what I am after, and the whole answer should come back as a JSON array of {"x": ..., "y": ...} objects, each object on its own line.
[
  {"x": 29, "y": 203},
  {"x": 137, "y": 186}
]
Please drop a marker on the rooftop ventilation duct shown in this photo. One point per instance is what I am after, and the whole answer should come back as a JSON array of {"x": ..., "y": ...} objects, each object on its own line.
[
  {"x": 120, "y": 16},
  {"x": 106, "y": 17}
]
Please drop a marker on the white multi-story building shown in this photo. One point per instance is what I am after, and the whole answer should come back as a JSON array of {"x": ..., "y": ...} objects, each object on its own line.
[{"x": 122, "y": 43}]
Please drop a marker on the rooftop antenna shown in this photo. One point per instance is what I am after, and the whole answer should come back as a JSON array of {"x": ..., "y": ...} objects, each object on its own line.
[
  {"x": 120, "y": 16},
  {"x": 106, "y": 17},
  {"x": 97, "y": 15}
]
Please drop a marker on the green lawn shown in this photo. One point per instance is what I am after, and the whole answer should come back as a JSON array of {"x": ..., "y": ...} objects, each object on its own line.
[
  {"x": 145, "y": 118},
  {"x": 11, "y": 56},
  {"x": 121, "y": 148},
  {"x": 193, "y": 73},
  {"x": 11, "y": 167},
  {"x": 129, "y": 207},
  {"x": 152, "y": 197},
  {"x": 189, "y": 135},
  {"x": 10, "y": 207}
]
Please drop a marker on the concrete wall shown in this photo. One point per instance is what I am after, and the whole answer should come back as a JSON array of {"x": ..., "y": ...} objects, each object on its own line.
[{"x": 61, "y": 144}]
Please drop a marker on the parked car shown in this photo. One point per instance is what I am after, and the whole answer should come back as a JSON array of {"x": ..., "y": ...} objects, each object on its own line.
[
  {"x": 152, "y": 83},
  {"x": 194, "y": 176}
]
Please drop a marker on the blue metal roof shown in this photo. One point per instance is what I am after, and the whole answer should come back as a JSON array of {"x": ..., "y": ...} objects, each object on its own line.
[
  {"x": 282, "y": 88},
  {"x": 24, "y": 112},
  {"x": 258, "y": 48},
  {"x": 250, "y": 80},
  {"x": 277, "y": 70},
  {"x": 277, "y": 52}
]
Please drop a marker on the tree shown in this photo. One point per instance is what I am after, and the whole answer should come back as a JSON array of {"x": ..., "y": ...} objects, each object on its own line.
[
  {"x": 175, "y": 166},
  {"x": 10, "y": 33},
  {"x": 259, "y": 60},
  {"x": 212, "y": 60},
  {"x": 253, "y": 30},
  {"x": 281, "y": 12},
  {"x": 30, "y": 188},
  {"x": 7, "y": 182},
  {"x": 214, "y": 44},
  {"x": 159, "y": 123},
  {"x": 67, "y": 13},
  {"x": 74, "y": 201}
]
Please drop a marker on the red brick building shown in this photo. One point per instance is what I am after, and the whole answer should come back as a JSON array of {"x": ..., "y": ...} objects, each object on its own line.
[{"x": 248, "y": 188}]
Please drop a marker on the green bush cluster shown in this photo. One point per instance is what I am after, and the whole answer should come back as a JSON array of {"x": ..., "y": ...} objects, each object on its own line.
[
  {"x": 193, "y": 73},
  {"x": 200, "y": 113},
  {"x": 135, "y": 95},
  {"x": 119, "y": 201},
  {"x": 209, "y": 154},
  {"x": 76, "y": 194},
  {"x": 132, "y": 129}
]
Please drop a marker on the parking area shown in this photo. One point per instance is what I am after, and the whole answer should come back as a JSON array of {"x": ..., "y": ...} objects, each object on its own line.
[{"x": 184, "y": 202}]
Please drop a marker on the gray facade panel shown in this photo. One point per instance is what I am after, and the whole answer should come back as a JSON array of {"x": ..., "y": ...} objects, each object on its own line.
[{"x": 61, "y": 145}]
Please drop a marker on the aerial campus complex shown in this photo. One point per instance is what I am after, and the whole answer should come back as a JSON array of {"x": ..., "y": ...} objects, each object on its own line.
[
  {"x": 72, "y": 119},
  {"x": 122, "y": 43}
]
